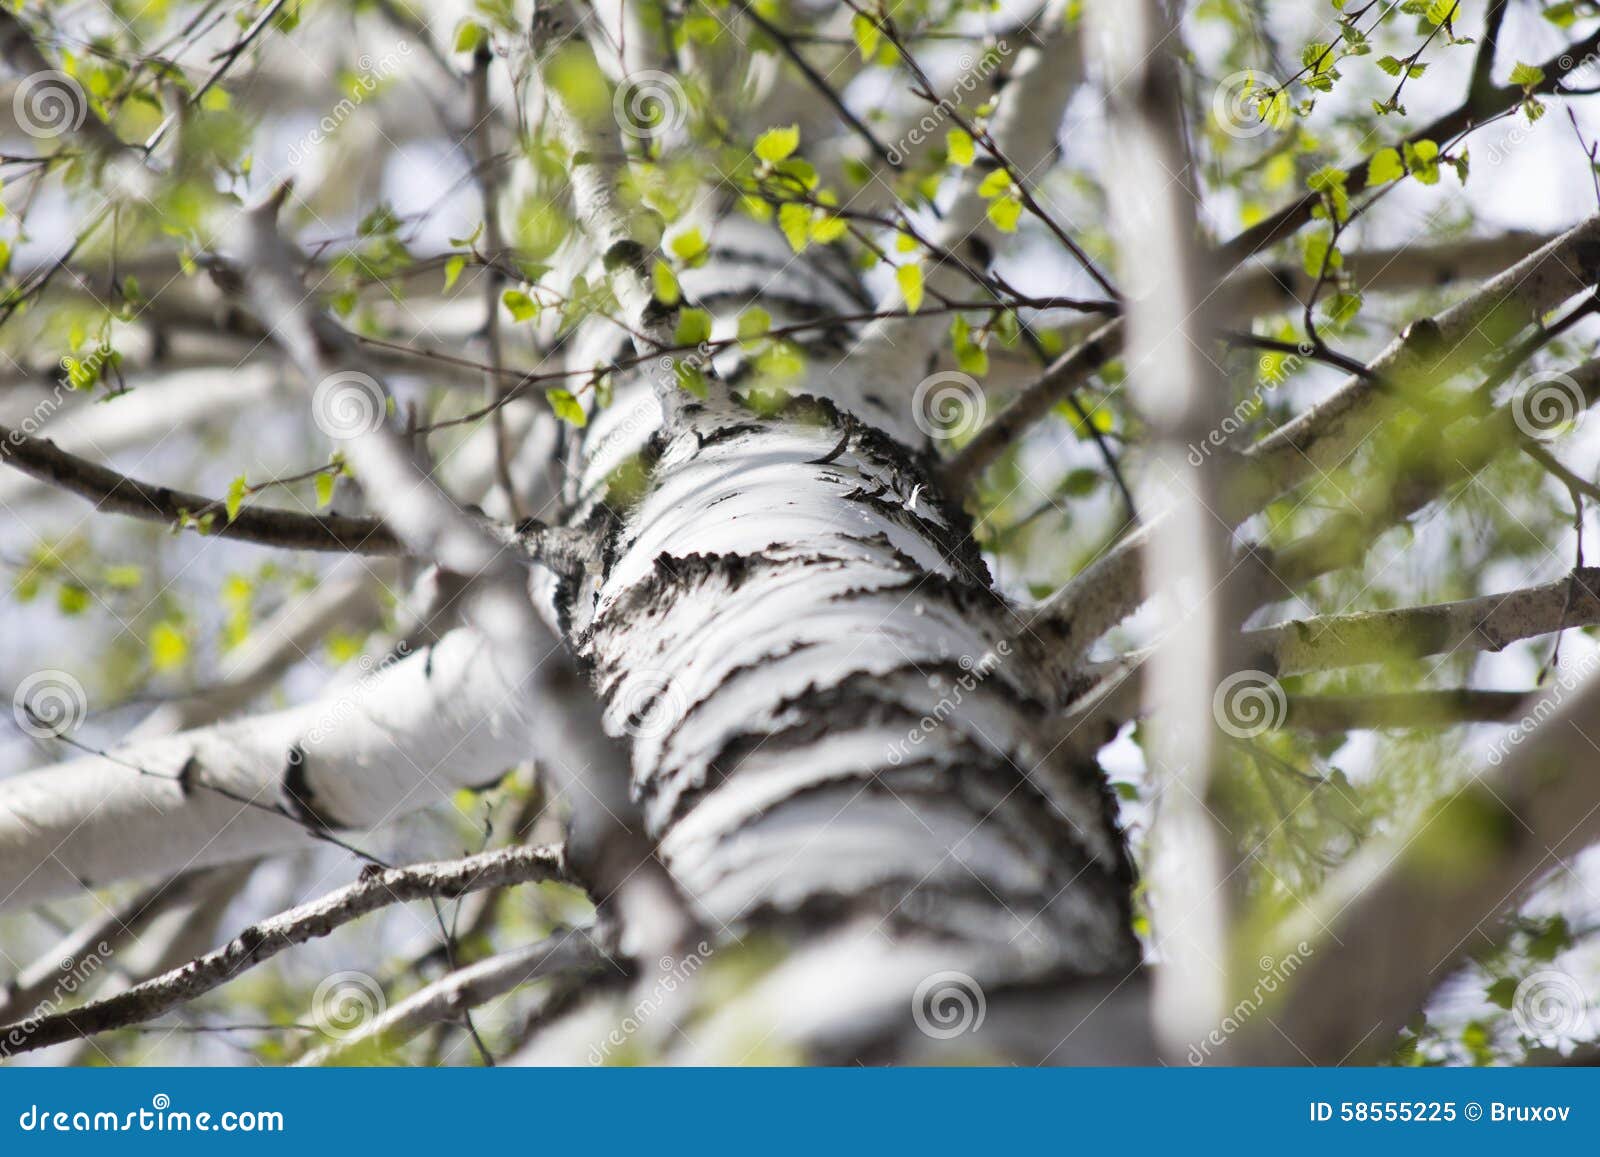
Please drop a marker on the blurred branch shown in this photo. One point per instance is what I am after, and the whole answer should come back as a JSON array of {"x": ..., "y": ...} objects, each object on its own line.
[
  {"x": 1404, "y": 709},
  {"x": 1319, "y": 439},
  {"x": 445, "y": 1000},
  {"x": 1399, "y": 917},
  {"x": 1487, "y": 623},
  {"x": 1181, "y": 394}
]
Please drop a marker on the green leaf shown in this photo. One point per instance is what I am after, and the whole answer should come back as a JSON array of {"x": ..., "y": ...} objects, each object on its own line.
[
  {"x": 324, "y": 484},
  {"x": 827, "y": 228},
  {"x": 169, "y": 648},
  {"x": 1422, "y": 160},
  {"x": 1441, "y": 11},
  {"x": 867, "y": 35},
  {"x": 1527, "y": 75},
  {"x": 1502, "y": 992},
  {"x": 469, "y": 36},
  {"x": 452, "y": 270},
  {"x": 753, "y": 323},
  {"x": 1384, "y": 167},
  {"x": 664, "y": 283},
  {"x": 694, "y": 327},
  {"x": 522, "y": 307},
  {"x": 693, "y": 380},
  {"x": 1004, "y": 212},
  {"x": 794, "y": 220},
  {"x": 235, "y": 496},
  {"x": 909, "y": 279},
  {"x": 959, "y": 148},
  {"x": 774, "y": 145},
  {"x": 995, "y": 184},
  {"x": 1317, "y": 56},
  {"x": 567, "y": 407},
  {"x": 690, "y": 246},
  {"x": 72, "y": 599}
]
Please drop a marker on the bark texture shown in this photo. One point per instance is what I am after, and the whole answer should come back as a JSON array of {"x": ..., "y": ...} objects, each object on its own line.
[{"x": 830, "y": 729}]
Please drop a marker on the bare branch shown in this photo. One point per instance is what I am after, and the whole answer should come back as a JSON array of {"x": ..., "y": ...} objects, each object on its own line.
[
  {"x": 262, "y": 941},
  {"x": 110, "y": 491}
]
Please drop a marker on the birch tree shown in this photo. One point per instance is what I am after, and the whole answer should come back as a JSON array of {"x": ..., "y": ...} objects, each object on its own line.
[{"x": 750, "y": 532}]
